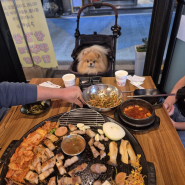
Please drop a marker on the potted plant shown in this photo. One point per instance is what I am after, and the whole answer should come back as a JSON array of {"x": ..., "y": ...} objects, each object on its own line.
[{"x": 140, "y": 54}]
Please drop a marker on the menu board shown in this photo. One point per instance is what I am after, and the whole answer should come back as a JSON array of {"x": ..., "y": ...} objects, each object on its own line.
[{"x": 36, "y": 32}]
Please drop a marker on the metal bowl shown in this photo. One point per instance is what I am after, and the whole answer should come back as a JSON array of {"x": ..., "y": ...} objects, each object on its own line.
[
  {"x": 105, "y": 89},
  {"x": 72, "y": 136}
]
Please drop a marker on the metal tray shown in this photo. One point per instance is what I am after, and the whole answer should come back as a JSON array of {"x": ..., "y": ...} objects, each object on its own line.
[{"x": 87, "y": 176}]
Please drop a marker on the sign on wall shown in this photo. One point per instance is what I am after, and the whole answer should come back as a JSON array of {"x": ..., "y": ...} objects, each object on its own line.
[{"x": 36, "y": 32}]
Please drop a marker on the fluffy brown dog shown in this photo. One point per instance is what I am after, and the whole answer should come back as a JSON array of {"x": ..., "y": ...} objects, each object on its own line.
[{"x": 92, "y": 60}]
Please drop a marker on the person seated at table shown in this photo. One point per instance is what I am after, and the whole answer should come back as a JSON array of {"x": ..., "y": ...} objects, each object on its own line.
[
  {"x": 176, "y": 109},
  {"x": 12, "y": 94}
]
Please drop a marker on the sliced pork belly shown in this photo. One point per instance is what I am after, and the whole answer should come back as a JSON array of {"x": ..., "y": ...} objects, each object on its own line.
[
  {"x": 59, "y": 163},
  {"x": 60, "y": 167},
  {"x": 69, "y": 162},
  {"x": 48, "y": 164},
  {"x": 98, "y": 182},
  {"x": 38, "y": 168},
  {"x": 102, "y": 154},
  {"x": 95, "y": 152},
  {"x": 101, "y": 138},
  {"x": 99, "y": 145},
  {"x": 39, "y": 149},
  {"x": 98, "y": 168},
  {"x": 49, "y": 153},
  {"x": 81, "y": 132},
  {"x": 32, "y": 177},
  {"x": 46, "y": 173},
  {"x": 69, "y": 181},
  {"x": 72, "y": 127},
  {"x": 61, "y": 170},
  {"x": 91, "y": 142},
  {"x": 59, "y": 156},
  {"x": 52, "y": 181},
  {"x": 49, "y": 144},
  {"x": 52, "y": 137},
  {"x": 77, "y": 169},
  {"x": 44, "y": 158},
  {"x": 90, "y": 133},
  {"x": 106, "y": 139}
]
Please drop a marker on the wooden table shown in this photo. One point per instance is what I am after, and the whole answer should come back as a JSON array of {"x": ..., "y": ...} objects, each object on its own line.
[{"x": 162, "y": 146}]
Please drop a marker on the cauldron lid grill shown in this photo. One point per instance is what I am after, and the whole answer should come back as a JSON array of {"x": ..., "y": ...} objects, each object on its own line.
[{"x": 81, "y": 115}]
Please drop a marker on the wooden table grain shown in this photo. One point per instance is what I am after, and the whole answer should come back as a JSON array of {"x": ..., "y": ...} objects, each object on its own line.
[{"x": 162, "y": 146}]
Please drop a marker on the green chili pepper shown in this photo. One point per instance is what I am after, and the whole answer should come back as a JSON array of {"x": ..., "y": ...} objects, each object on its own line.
[{"x": 52, "y": 131}]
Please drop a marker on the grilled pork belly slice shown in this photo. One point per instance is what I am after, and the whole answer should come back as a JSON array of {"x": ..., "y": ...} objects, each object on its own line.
[
  {"x": 76, "y": 180},
  {"x": 39, "y": 149},
  {"x": 69, "y": 162},
  {"x": 99, "y": 145},
  {"x": 72, "y": 127},
  {"x": 38, "y": 168},
  {"x": 61, "y": 170},
  {"x": 81, "y": 132},
  {"x": 90, "y": 133},
  {"x": 48, "y": 164},
  {"x": 101, "y": 138},
  {"x": 59, "y": 163},
  {"x": 106, "y": 138},
  {"x": 44, "y": 158},
  {"x": 52, "y": 181},
  {"x": 77, "y": 169},
  {"x": 98, "y": 168},
  {"x": 95, "y": 152},
  {"x": 52, "y": 137},
  {"x": 113, "y": 151},
  {"x": 49, "y": 144},
  {"x": 32, "y": 177},
  {"x": 69, "y": 181},
  {"x": 102, "y": 154},
  {"x": 45, "y": 174},
  {"x": 59, "y": 156},
  {"x": 49, "y": 153},
  {"x": 60, "y": 167},
  {"x": 91, "y": 142},
  {"x": 98, "y": 182}
]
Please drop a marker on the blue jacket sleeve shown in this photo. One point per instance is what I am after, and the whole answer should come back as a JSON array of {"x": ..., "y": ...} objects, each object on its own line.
[{"x": 17, "y": 94}]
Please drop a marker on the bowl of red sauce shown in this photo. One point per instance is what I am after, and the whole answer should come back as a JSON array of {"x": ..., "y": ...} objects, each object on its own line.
[
  {"x": 137, "y": 112},
  {"x": 73, "y": 145}
]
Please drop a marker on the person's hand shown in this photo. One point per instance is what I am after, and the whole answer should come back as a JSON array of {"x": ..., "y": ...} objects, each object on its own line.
[
  {"x": 170, "y": 108},
  {"x": 72, "y": 94}
]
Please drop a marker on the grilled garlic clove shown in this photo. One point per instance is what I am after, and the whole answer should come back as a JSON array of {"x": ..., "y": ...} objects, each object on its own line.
[{"x": 100, "y": 131}]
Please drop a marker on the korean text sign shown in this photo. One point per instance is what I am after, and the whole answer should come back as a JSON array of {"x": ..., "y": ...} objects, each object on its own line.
[{"x": 36, "y": 31}]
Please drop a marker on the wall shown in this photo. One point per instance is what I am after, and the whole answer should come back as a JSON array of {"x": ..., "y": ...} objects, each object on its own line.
[{"x": 177, "y": 68}]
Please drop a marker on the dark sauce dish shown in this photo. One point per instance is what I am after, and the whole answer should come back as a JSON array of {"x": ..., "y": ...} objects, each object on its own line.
[
  {"x": 157, "y": 102},
  {"x": 137, "y": 122},
  {"x": 46, "y": 104}
]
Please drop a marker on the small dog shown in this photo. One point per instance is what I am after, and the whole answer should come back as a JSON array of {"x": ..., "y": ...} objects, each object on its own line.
[{"x": 92, "y": 60}]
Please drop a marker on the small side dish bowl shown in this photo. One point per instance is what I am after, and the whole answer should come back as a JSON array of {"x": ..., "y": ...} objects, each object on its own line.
[
  {"x": 137, "y": 122},
  {"x": 73, "y": 145},
  {"x": 101, "y": 90},
  {"x": 45, "y": 105}
]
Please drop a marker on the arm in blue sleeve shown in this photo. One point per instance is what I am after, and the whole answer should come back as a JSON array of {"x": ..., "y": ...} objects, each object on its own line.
[{"x": 17, "y": 94}]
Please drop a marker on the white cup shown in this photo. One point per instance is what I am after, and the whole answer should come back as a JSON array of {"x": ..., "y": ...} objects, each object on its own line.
[
  {"x": 69, "y": 80},
  {"x": 121, "y": 77}
]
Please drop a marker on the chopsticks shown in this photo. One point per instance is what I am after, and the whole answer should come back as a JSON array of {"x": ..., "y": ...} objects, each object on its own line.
[{"x": 156, "y": 95}]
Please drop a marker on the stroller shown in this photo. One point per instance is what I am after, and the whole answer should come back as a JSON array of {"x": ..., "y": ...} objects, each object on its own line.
[{"x": 108, "y": 41}]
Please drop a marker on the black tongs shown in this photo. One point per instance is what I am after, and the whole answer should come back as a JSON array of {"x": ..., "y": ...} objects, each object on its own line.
[{"x": 139, "y": 93}]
